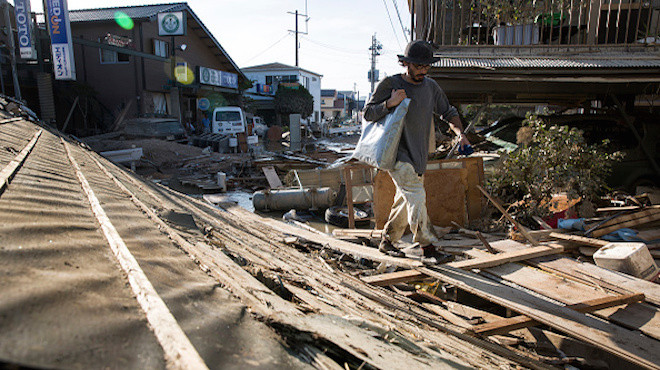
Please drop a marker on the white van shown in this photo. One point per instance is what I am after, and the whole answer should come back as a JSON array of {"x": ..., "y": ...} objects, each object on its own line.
[{"x": 228, "y": 120}]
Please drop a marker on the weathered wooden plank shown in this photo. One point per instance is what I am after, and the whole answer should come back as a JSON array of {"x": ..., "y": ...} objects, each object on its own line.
[
  {"x": 502, "y": 258},
  {"x": 640, "y": 316},
  {"x": 519, "y": 322},
  {"x": 589, "y": 273},
  {"x": 403, "y": 276},
  {"x": 650, "y": 216},
  {"x": 358, "y": 233},
  {"x": 621, "y": 342},
  {"x": 579, "y": 239},
  {"x": 352, "y": 249}
]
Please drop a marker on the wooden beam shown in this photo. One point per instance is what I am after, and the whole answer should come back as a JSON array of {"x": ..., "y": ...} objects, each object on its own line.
[
  {"x": 358, "y": 233},
  {"x": 506, "y": 214},
  {"x": 580, "y": 240},
  {"x": 502, "y": 258},
  {"x": 589, "y": 274},
  {"x": 519, "y": 322},
  {"x": 403, "y": 276},
  {"x": 621, "y": 342},
  {"x": 636, "y": 219}
]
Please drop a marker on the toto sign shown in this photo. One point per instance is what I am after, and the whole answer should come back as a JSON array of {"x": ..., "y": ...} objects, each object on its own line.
[{"x": 24, "y": 28}]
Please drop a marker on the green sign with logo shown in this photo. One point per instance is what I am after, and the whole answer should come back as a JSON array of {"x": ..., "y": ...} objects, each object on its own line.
[{"x": 171, "y": 24}]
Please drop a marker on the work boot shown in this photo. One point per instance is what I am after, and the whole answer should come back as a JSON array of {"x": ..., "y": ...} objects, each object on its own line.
[
  {"x": 432, "y": 256},
  {"x": 389, "y": 249}
]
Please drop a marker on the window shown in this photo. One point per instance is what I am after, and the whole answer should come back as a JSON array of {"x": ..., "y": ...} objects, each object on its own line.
[
  {"x": 161, "y": 48},
  {"x": 290, "y": 78},
  {"x": 113, "y": 57},
  {"x": 286, "y": 79},
  {"x": 227, "y": 116}
]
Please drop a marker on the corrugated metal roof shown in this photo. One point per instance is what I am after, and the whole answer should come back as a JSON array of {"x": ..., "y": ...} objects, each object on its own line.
[
  {"x": 517, "y": 62},
  {"x": 134, "y": 12}
]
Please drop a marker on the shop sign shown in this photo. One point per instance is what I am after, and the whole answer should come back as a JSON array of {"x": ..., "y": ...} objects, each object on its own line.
[
  {"x": 171, "y": 24},
  {"x": 214, "y": 77},
  {"x": 118, "y": 41},
  {"x": 60, "y": 37},
  {"x": 24, "y": 28},
  {"x": 203, "y": 104}
]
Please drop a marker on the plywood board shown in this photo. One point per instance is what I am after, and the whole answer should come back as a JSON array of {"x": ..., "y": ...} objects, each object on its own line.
[
  {"x": 616, "y": 340},
  {"x": 446, "y": 200}
]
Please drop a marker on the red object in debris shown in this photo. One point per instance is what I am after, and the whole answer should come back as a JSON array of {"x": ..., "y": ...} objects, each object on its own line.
[{"x": 552, "y": 220}]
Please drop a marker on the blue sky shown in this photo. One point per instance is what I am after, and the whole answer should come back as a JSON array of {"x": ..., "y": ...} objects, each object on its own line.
[{"x": 336, "y": 46}]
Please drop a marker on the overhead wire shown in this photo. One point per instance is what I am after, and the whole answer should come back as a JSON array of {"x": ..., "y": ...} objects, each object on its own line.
[
  {"x": 396, "y": 35},
  {"x": 396, "y": 7},
  {"x": 270, "y": 47}
]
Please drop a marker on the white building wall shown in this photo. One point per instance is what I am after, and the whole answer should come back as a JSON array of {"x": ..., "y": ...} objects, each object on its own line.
[{"x": 312, "y": 82}]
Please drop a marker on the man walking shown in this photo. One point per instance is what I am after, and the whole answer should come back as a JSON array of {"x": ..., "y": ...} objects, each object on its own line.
[{"x": 427, "y": 98}]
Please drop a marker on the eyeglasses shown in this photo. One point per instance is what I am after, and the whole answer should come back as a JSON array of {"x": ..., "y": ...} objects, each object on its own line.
[{"x": 421, "y": 66}]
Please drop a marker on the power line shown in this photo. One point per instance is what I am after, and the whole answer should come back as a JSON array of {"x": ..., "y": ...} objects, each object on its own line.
[
  {"x": 396, "y": 7},
  {"x": 270, "y": 47},
  {"x": 396, "y": 36},
  {"x": 335, "y": 48}
]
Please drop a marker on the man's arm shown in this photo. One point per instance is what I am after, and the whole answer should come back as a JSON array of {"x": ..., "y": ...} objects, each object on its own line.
[
  {"x": 457, "y": 126},
  {"x": 380, "y": 105}
]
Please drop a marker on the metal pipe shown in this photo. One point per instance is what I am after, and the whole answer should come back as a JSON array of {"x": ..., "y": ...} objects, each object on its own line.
[{"x": 287, "y": 199}]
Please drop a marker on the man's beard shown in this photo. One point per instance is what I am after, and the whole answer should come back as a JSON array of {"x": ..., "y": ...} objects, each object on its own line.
[{"x": 418, "y": 78}]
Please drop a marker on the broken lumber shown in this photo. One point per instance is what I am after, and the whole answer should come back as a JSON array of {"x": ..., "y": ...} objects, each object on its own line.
[
  {"x": 580, "y": 240},
  {"x": 635, "y": 219},
  {"x": 357, "y": 233},
  {"x": 506, "y": 214},
  {"x": 635, "y": 316},
  {"x": 403, "y": 276},
  {"x": 502, "y": 258},
  {"x": 519, "y": 322},
  {"x": 616, "y": 340},
  {"x": 486, "y": 261},
  {"x": 589, "y": 273}
]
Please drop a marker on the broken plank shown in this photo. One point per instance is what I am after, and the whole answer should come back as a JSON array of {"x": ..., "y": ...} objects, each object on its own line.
[
  {"x": 519, "y": 322},
  {"x": 632, "y": 223},
  {"x": 403, "y": 276},
  {"x": 506, "y": 214},
  {"x": 352, "y": 249},
  {"x": 621, "y": 342},
  {"x": 589, "y": 273},
  {"x": 358, "y": 233},
  {"x": 271, "y": 176},
  {"x": 502, "y": 258},
  {"x": 580, "y": 240}
]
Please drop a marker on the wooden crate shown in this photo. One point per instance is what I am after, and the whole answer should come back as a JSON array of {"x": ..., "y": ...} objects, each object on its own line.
[{"x": 451, "y": 192}]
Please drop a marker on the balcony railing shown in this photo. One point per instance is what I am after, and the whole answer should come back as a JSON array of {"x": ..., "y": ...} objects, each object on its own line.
[{"x": 541, "y": 22}]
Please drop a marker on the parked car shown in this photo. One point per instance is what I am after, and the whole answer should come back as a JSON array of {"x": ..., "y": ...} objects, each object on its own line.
[
  {"x": 159, "y": 128},
  {"x": 228, "y": 120}
]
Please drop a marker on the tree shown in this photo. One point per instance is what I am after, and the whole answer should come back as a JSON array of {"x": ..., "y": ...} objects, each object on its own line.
[
  {"x": 294, "y": 100},
  {"x": 550, "y": 160}
]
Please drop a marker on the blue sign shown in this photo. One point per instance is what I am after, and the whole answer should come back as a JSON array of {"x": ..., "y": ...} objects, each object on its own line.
[
  {"x": 214, "y": 77},
  {"x": 24, "y": 28},
  {"x": 60, "y": 38},
  {"x": 203, "y": 104}
]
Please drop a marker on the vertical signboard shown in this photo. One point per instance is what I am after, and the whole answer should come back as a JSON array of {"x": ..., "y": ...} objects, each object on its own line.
[
  {"x": 171, "y": 24},
  {"x": 24, "y": 28},
  {"x": 60, "y": 37}
]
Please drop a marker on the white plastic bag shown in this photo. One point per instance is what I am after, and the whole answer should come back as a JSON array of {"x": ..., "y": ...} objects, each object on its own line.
[{"x": 379, "y": 142}]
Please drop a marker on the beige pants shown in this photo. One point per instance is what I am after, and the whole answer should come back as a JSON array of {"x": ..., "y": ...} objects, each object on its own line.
[{"x": 409, "y": 208}]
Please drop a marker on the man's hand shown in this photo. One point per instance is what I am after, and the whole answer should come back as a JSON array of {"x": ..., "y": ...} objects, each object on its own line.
[
  {"x": 396, "y": 98},
  {"x": 463, "y": 140}
]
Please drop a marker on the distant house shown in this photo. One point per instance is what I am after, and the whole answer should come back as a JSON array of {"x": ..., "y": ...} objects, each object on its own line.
[
  {"x": 133, "y": 64},
  {"x": 338, "y": 104},
  {"x": 267, "y": 77}
]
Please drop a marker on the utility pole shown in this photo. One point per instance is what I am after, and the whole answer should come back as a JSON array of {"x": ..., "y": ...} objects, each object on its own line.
[
  {"x": 296, "y": 14},
  {"x": 375, "y": 51}
]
